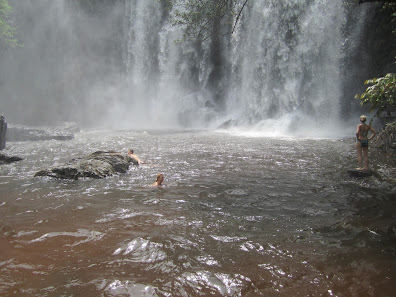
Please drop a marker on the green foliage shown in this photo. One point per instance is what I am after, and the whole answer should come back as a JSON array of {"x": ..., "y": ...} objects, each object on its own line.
[
  {"x": 199, "y": 17},
  {"x": 7, "y": 31},
  {"x": 381, "y": 95}
]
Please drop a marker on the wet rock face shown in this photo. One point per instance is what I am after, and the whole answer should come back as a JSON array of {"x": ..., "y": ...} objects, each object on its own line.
[
  {"x": 96, "y": 165},
  {"x": 391, "y": 231},
  {"x": 3, "y": 132},
  {"x": 20, "y": 133},
  {"x": 386, "y": 139}
]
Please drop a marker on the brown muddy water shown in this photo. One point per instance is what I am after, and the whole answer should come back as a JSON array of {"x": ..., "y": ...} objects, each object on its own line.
[{"x": 239, "y": 216}]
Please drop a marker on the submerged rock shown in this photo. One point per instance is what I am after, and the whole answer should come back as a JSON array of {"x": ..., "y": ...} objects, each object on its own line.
[
  {"x": 99, "y": 164},
  {"x": 228, "y": 124},
  {"x": 360, "y": 173},
  {"x": 4, "y": 159}
]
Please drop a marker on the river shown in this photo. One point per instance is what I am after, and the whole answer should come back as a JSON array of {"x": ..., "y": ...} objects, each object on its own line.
[{"x": 239, "y": 216}]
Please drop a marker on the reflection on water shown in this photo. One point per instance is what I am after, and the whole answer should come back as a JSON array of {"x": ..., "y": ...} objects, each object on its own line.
[{"x": 239, "y": 216}]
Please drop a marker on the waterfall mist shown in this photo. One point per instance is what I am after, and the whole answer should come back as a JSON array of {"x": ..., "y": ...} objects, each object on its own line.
[
  {"x": 121, "y": 64},
  {"x": 67, "y": 65}
]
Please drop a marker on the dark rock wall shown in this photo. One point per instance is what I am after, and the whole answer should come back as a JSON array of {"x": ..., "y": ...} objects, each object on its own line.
[{"x": 3, "y": 132}]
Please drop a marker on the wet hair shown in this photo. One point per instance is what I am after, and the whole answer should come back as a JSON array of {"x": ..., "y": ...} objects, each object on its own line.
[
  {"x": 159, "y": 176},
  {"x": 131, "y": 150}
]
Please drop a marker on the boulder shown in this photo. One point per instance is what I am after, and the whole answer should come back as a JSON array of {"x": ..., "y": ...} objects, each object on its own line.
[
  {"x": 99, "y": 164},
  {"x": 4, "y": 159},
  {"x": 3, "y": 132},
  {"x": 62, "y": 131}
]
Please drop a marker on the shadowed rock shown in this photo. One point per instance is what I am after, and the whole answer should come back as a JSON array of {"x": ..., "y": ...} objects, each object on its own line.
[
  {"x": 4, "y": 159},
  {"x": 386, "y": 139},
  {"x": 99, "y": 164},
  {"x": 3, "y": 132},
  {"x": 360, "y": 173}
]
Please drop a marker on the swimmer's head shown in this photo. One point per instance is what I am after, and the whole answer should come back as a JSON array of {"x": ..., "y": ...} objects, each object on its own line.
[
  {"x": 363, "y": 118},
  {"x": 160, "y": 179}
]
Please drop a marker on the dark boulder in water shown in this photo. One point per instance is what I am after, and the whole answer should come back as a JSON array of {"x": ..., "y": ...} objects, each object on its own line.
[
  {"x": 4, "y": 159},
  {"x": 99, "y": 164},
  {"x": 360, "y": 173}
]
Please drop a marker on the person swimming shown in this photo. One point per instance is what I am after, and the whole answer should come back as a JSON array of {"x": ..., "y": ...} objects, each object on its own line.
[{"x": 159, "y": 181}]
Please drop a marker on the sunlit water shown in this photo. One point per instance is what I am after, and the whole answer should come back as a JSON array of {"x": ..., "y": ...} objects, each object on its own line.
[{"x": 240, "y": 216}]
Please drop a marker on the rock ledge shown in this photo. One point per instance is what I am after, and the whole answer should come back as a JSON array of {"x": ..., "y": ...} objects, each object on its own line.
[{"x": 99, "y": 164}]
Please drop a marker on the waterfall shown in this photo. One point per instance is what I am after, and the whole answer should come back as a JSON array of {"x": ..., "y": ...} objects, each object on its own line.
[
  {"x": 282, "y": 65},
  {"x": 286, "y": 63},
  {"x": 122, "y": 64},
  {"x": 165, "y": 76},
  {"x": 288, "y": 53}
]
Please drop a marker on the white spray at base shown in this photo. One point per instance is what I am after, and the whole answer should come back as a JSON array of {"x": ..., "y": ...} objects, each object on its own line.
[{"x": 282, "y": 64}]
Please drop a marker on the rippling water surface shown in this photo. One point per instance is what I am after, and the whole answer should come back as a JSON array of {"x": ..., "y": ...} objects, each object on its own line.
[{"x": 240, "y": 216}]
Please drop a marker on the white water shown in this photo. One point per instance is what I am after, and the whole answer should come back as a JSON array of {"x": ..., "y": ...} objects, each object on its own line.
[
  {"x": 287, "y": 78},
  {"x": 282, "y": 70}
]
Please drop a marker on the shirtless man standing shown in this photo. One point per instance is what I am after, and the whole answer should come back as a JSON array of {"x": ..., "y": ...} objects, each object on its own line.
[{"x": 362, "y": 142}]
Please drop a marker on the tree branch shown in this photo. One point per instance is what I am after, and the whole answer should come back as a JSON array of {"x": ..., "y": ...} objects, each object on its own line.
[
  {"x": 239, "y": 15},
  {"x": 363, "y": 1}
]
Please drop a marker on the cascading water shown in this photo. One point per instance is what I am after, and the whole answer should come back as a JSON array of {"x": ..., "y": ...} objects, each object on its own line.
[
  {"x": 282, "y": 64},
  {"x": 286, "y": 62},
  {"x": 165, "y": 77},
  {"x": 124, "y": 63},
  {"x": 141, "y": 21}
]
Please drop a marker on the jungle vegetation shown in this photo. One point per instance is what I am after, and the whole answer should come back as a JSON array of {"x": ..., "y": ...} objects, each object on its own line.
[{"x": 7, "y": 29}]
